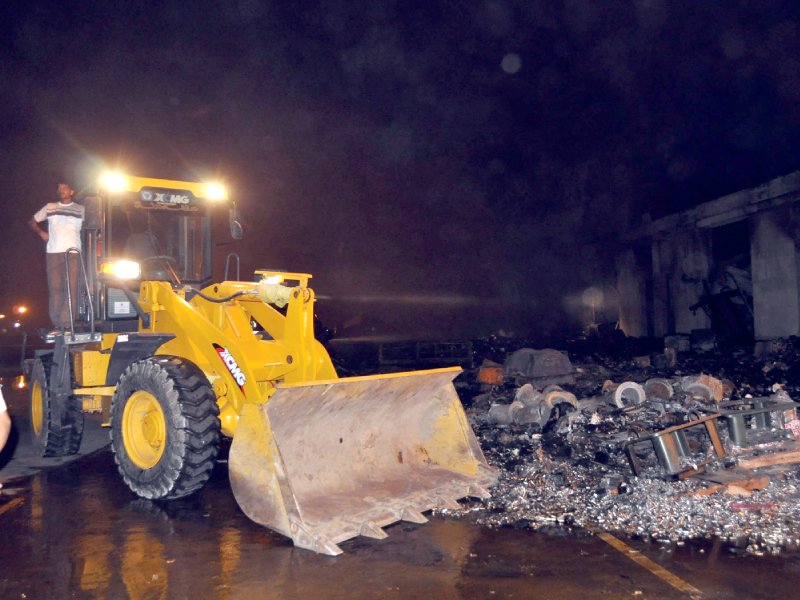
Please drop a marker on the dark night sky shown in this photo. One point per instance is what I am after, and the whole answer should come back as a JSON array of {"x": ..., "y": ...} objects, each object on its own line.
[{"x": 456, "y": 150}]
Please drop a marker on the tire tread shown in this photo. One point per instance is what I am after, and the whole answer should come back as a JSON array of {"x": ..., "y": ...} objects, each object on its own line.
[{"x": 193, "y": 438}]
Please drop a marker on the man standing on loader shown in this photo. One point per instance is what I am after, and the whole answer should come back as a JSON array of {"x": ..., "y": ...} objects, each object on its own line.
[{"x": 64, "y": 222}]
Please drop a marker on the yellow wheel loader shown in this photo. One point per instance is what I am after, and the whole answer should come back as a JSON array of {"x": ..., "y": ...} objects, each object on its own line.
[{"x": 178, "y": 361}]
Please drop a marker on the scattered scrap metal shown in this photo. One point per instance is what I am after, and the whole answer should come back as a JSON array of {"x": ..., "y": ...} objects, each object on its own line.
[{"x": 705, "y": 446}]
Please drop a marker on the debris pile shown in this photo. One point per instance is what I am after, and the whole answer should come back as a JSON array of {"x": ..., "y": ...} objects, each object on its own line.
[{"x": 667, "y": 454}]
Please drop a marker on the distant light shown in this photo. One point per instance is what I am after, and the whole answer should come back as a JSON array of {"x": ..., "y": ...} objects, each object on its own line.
[
  {"x": 511, "y": 63},
  {"x": 2, "y": 316},
  {"x": 20, "y": 382},
  {"x": 216, "y": 191},
  {"x": 16, "y": 325},
  {"x": 21, "y": 309},
  {"x": 113, "y": 182},
  {"x": 592, "y": 296}
]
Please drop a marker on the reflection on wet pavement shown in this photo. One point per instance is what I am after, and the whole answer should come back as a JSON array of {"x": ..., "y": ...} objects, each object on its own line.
[{"x": 78, "y": 532}]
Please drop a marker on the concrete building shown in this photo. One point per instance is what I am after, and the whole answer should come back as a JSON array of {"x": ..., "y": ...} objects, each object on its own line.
[{"x": 730, "y": 266}]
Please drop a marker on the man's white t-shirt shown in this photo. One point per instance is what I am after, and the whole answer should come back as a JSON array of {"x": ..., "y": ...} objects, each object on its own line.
[
  {"x": 3, "y": 407},
  {"x": 64, "y": 223}
]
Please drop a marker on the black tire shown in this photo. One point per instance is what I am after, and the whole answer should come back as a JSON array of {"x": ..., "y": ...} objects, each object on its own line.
[
  {"x": 165, "y": 428},
  {"x": 56, "y": 423}
]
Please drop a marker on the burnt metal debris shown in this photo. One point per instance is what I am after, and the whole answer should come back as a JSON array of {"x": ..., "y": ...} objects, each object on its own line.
[
  {"x": 673, "y": 448},
  {"x": 666, "y": 447}
]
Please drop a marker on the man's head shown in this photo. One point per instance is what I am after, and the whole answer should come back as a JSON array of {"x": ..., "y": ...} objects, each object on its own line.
[{"x": 65, "y": 192}]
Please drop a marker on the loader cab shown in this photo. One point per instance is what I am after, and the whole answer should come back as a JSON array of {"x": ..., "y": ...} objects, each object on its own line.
[{"x": 157, "y": 229}]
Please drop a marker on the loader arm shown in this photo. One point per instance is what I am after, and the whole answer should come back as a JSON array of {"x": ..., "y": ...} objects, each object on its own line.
[
  {"x": 218, "y": 337},
  {"x": 294, "y": 331}
]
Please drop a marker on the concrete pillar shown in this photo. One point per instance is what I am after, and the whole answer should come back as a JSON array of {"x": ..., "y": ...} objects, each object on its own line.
[
  {"x": 692, "y": 261},
  {"x": 663, "y": 323},
  {"x": 631, "y": 281},
  {"x": 776, "y": 300},
  {"x": 681, "y": 263}
]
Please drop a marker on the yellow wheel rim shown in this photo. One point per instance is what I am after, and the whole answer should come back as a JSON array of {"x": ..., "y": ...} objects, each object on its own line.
[
  {"x": 37, "y": 408},
  {"x": 144, "y": 429}
]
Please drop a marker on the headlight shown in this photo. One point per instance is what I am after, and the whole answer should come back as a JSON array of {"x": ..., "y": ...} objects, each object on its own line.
[
  {"x": 215, "y": 191},
  {"x": 113, "y": 182},
  {"x": 121, "y": 269}
]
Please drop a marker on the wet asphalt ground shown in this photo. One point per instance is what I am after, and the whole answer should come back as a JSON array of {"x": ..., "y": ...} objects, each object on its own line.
[{"x": 71, "y": 529}]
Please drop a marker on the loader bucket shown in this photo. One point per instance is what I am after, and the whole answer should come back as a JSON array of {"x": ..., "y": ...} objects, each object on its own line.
[{"x": 327, "y": 461}]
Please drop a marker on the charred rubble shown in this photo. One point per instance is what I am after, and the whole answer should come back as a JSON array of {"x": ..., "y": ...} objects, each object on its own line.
[{"x": 669, "y": 447}]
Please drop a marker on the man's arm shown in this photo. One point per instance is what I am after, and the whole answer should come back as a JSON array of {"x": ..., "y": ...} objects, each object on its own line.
[
  {"x": 5, "y": 428},
  {"x": 39, "y": 231}
]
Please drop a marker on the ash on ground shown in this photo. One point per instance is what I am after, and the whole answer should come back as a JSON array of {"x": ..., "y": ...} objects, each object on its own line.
[{"x": 562, "y": 439}]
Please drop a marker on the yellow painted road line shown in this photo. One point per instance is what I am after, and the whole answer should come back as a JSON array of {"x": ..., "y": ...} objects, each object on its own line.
[
  {"x": 656, "y": 569},
  {"x": 9, "y": 505}
]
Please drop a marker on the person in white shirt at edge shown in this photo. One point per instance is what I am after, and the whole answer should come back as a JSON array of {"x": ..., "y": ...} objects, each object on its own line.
[
  {"x": 64, "y": 221},
  {"x": 5, "y": 422}
]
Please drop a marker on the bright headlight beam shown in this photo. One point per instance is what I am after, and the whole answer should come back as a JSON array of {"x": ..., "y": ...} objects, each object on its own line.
[
  {"x": 113, "y": 181},
  {"x": 215, "y": 191},
  {"x": 122, "y": 269}
]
